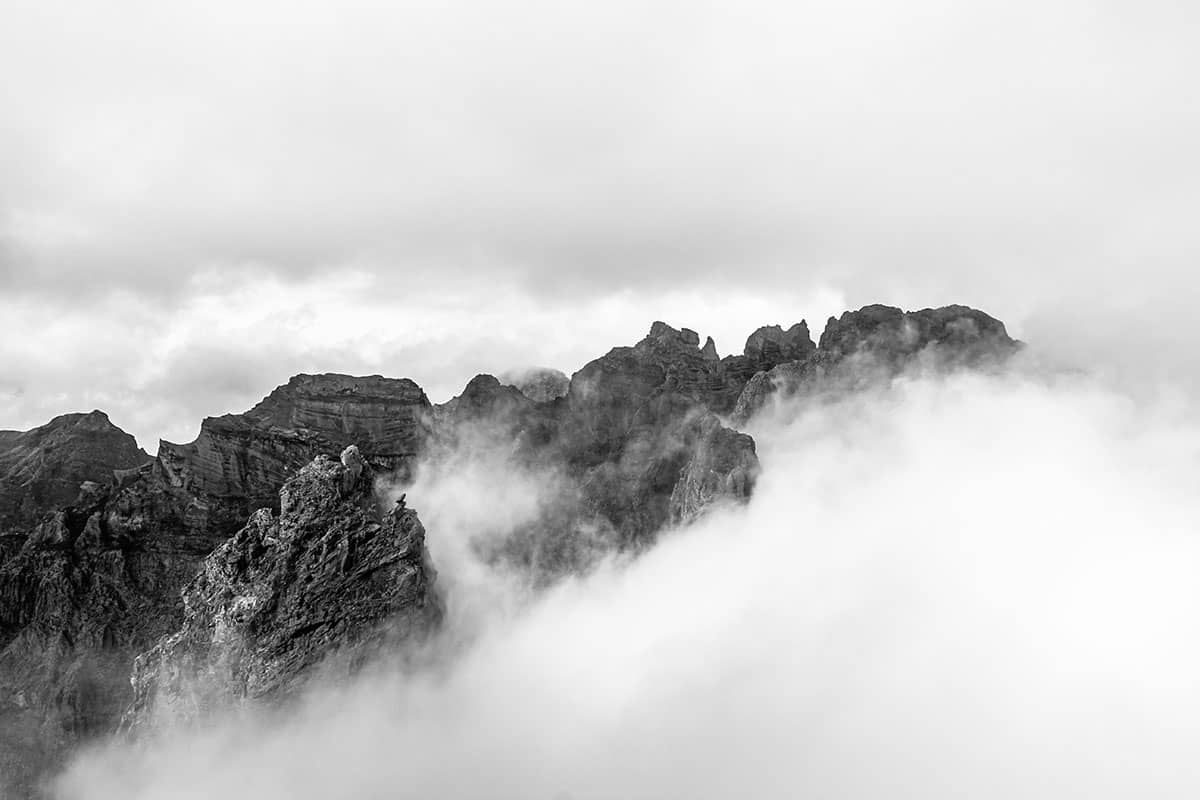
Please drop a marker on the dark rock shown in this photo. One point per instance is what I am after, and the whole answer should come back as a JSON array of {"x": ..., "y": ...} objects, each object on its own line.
[
  {"x": 635, "y": 444},
  {"x": 771, "y": 345},
  {"x": 483, "y": 398},
  {"x": 241, "y": 460},
  {"x": 633, "y": 422},
  {"x": 330, "y": 577},
  {"x": 42, "y": 469},
  {"x": 877, "y": 343},
  {"x": 98, "y": 542},
  {"x": 99, "y": 581}
]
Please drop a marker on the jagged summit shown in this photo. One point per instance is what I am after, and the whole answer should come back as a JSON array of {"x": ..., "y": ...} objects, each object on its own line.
[
  {"x": 98, "y": 540},
  {"x": 243, "y": 459},
  {"x": 251, "y": 629},
  {"x": 42, "y": 469},
  {"x": 965, "y": 331},
  {"x": 485, "y": 397},
  {"x": 771, "y": 343},
  {"x": 878, "y": 342},
  {"x": 664, "y": 335}
]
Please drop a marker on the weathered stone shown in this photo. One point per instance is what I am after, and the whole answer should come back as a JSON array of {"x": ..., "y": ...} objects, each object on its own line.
[
  {"x": 99, "y": 581},
  {"x": 97, "y": 540},
  {"x": 318, "y": 586},
  {"x": 875, "y": 344},
  {"x": 771, "y": 345},
  {"x": 42, "y": 469}
]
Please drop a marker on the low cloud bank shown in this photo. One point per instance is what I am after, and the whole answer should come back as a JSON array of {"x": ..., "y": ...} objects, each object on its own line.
[{"x": 972, "y": 587}]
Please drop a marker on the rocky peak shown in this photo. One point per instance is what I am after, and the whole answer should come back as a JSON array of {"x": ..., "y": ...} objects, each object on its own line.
[
  {"x": 380, "y": 412},
  {"x": 878, "y": 342},
  {"x": 773, "y": 345},
  {"x": 486, "y": 389},
  {"x": 238, "y": 563},
  {"x": 241, "y": 460},
  {"x": 41, "y": 469},
  {"x": 331, "y": 577},
  {"x": 539, "y": 384},
  {"x": 663, "y": 336},
  {"x": 957, "y": 333}
]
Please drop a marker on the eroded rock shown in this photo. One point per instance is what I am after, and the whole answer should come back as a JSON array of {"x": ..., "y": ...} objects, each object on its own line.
[
  {"x": 320, "y": 585},
  {"x": 877, "y": 343}
]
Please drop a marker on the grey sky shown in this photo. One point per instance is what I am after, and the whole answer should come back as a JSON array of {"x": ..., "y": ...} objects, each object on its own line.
[{"x": 197, "y": 200}]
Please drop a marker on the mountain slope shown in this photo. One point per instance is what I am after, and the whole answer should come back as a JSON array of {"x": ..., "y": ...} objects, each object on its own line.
[{"x": 111, "y": 556}]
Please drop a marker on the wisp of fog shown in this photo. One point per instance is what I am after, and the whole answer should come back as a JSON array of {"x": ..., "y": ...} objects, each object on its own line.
[{"x": 971, "y": 586}]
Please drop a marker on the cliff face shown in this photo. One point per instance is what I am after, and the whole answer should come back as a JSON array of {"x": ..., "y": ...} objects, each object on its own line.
[
  {"x": 94, "y": 584},
  {"x": 329, "y": 577},
  {"x": 640, "y": 420},
  {"x": 232, "y": 566},
  {"x": 635, "y": 441},
  {"x": 41, "y": 469},
  {"x": 239, "y": 461},
  {"x": 877, "y": 343}
]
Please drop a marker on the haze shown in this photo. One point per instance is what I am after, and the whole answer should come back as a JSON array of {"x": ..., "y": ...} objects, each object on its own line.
[{"x": 977, "y": 587}]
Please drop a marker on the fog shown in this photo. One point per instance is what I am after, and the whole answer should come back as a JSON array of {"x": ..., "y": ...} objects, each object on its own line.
[{"x": 977, "y": 586}]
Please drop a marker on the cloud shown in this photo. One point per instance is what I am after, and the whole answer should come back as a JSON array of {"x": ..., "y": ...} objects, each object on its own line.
[
  {"x": 978, "y": 586},
  {"x": 1017, "y": 157},
  {"x": 158, "y": 371}
]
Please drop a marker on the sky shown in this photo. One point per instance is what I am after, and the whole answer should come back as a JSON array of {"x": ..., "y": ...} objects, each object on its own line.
[{"x": 198, "y": 200}]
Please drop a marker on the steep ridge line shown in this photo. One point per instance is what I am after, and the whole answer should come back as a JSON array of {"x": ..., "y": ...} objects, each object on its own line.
[{"x": 638, "y": 436}]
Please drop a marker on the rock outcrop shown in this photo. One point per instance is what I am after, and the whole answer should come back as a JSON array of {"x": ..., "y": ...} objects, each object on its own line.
[
  {"x": 320, "y": 584},
  {"x": 239, "y": 461},
  {"x": 635, "y": 441},
  {"x": 95, "y": 583},
  {"x": 234, "y": 566},
  {"x": 640, "y": 420},
  {"x": 877, "y": 343},
  {"x": 41, "y": 469},
  {"x": 539, "y": 384}
]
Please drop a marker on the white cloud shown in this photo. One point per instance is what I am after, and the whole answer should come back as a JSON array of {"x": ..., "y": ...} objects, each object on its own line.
[
  {"x": 237, "y": 334},
  {"x": 1026, "y": 158},
  {"x": 978, "y": 587}
]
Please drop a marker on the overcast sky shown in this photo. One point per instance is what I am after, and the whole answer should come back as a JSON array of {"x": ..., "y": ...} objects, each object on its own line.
[{"x": 199, "y": 200}]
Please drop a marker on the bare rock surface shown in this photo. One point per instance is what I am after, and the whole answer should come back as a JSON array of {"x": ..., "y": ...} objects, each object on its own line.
[
  {"x": 241, "y": 460},
  {"x": 877, "y": 343},
  {"x": 636, "y": 441},
  {"x": 234, "y": 566},
  {"x": 329, "y": 577},
  {"x": 41, "y": 469},
  {"x": 89, "y": 586}
]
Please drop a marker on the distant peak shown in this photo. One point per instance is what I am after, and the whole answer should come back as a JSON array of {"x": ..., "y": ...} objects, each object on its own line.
[
  {"x": 540, "y": 384},
  {"x": 773, "y": 343},
  {"x": 662, "y": 333},
  {"x": 482, "y": 382}
]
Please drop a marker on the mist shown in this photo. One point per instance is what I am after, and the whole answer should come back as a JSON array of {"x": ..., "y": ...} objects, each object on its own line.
[{"x": 974, "y": 586}]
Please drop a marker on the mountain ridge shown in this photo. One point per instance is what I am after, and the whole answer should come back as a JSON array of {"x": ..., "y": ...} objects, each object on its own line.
[{"x": 643, "y": 437}]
